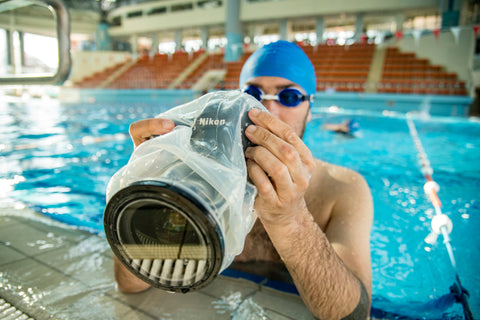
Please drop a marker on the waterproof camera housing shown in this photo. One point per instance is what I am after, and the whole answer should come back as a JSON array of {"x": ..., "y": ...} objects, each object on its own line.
[{"x": 178, "y": 213}]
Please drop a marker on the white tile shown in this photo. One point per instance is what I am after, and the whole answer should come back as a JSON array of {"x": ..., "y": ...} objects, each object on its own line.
[
  {"x": 165, "y": 305},
  {"x": 223, "y": 286},
  {"x": 95, "y": 305},
  {"x": 8, "y": 255},
  {"x": 73, "y": 279},
  {"x": 31, "y": 241},
  {"x": 283, "y": 304},
  {"x": 92, "y": 268},
  {"x": 35, "y": 286},
  {"x": 30, "y": 282},
  {"x": 6, "y": 221}
]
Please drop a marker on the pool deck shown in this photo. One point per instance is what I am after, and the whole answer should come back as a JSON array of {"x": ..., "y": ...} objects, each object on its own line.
[{"x": 52, "y": 271}]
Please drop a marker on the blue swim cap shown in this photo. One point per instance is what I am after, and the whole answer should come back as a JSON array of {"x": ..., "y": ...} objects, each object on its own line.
[
  {"x": 281, "y": 59},
  {"x": 353, "y": 126}
]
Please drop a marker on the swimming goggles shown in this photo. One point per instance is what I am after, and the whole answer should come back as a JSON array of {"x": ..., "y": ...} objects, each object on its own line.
[{"x": 289, "y": 97}]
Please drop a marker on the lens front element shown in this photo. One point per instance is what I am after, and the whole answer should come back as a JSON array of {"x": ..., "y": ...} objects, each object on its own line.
[{"x": 164, "y": 238}]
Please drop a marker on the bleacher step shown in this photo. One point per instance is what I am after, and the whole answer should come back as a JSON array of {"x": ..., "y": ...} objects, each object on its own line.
[
  {"x": 376, "y": 68},
  {"x": 209, "y": 80},
  {"x": 116, "y": 74},
  {"x": 181, "y": 77}
]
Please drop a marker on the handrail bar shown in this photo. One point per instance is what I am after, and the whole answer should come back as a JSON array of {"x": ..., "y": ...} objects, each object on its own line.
[{"x": 62, "y": 19}]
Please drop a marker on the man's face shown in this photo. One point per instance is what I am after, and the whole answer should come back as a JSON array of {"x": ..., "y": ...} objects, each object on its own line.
[{"x": 297, "y": 117}]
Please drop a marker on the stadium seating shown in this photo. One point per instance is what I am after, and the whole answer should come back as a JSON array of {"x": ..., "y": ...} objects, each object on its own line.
[
  {"x": 403, "y": 72},
  {"x": 343, "y": 68}
]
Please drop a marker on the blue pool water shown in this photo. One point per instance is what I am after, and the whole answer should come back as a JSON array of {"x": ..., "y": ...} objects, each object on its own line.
[{"x": 58, "y": 157}]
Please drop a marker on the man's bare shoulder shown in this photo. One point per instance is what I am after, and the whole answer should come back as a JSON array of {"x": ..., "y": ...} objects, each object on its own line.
[
  {"x": 329, "y": 175},
  {"x": 331, "y": 184}
]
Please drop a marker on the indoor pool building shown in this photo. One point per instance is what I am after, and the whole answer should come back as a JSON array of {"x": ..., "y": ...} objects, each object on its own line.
[{"x": 403, "y": 78}]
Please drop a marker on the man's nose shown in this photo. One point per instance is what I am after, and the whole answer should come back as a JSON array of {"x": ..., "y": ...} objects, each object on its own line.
[{"x": 272, "y": 106}]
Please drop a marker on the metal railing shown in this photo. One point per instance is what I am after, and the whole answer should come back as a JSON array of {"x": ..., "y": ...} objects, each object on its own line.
[{"x": 62, "y": 22}]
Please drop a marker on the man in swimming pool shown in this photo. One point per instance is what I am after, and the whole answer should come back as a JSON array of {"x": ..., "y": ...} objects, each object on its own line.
[
  {"x": 314, "y": 218},
  {"x": 347, "y": 127}
]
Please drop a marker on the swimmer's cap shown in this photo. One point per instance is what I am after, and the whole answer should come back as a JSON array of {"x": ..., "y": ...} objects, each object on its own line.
[
  {"x": 353, "y": 126},
  {"x": 281, "y": 59}
]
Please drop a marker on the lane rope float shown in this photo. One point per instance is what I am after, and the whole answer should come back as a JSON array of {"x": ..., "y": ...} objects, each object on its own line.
[{"x": 441, "y": 223}]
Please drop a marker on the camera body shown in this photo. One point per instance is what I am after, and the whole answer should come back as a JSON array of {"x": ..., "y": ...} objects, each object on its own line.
[{"x": 178, "y": 213}]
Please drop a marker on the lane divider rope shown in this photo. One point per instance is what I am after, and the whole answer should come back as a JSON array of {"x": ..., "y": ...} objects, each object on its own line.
[{"x": 441, "y": 223}]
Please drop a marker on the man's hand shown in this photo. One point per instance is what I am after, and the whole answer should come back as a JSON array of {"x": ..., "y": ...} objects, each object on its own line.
[
  {"x": 280, "y": 166},
  {"x": 143, "y": 130},
  {"x": 329, "y": 267},
  {"x": 140, "y": 132}
]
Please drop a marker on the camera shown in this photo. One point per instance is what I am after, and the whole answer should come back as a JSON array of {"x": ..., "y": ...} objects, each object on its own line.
[{"x": 179, "y": 211}]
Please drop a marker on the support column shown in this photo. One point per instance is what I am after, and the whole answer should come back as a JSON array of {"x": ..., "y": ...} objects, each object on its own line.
[
  {"x": 10, "y": 54},
  {"x": 102, "y": 38},
  {"x": 399, "y": 20},
  {"x": 257, "y": 30},
  {"x": 14, "y": 53},
  {"x": 320, "y": 29},
  {"x": 358, "y": 26},
  {"x": 233, "y": 28},
  {"x": 154, "y": 49},
  {"x": 134, "y": 43},
  {"x": 21, "y": 46},
  {"x": 204, "y": 35},
  {"x": 11, "y": 46},
  {"x": 250, "y": 34},
  {"x": 178, "y": 40},
  {"x": 284, "y": 29},
  {"x": 450, "y": 11}
]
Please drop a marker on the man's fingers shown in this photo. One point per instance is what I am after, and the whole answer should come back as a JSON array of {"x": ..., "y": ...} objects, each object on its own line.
[
  {"x": 285, "y": 133},
  {"x": 142, "y": 130},
  {"x": 260, "y": 180}
]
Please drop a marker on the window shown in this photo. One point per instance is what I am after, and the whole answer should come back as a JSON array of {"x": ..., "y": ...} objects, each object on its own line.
[
  {"x": 116, "y": 21},
  {"x": 182, "y": 7},
  {"x": 134, "y": 14},
  {"x": 207, "y": 4},
  {"x": 158, "y": 10}
]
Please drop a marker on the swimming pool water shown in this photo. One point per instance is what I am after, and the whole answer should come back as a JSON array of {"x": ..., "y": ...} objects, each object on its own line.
[
  {"x": 58, "y": 157},
  {"x": 405, "y": 268}
]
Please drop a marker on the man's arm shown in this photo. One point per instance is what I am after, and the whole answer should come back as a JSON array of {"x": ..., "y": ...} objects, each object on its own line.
[
  {"x": 326, "y": 265},
  {"x": 127, "y": 282},
  {"x": 140, "y": 131},
  {"x": 331, "y": 269}
]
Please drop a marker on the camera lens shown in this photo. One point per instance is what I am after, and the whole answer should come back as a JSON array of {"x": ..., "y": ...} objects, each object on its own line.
[
  {"x": 178, "y": 213},
  {"x": 161, "y": 235},
  {"x": 154, "y": 223}
]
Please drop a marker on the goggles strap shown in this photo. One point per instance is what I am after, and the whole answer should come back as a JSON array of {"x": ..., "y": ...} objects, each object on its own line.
[
  {"x": 269, "y": 97},
  {"x": 262, "y": 96}
]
